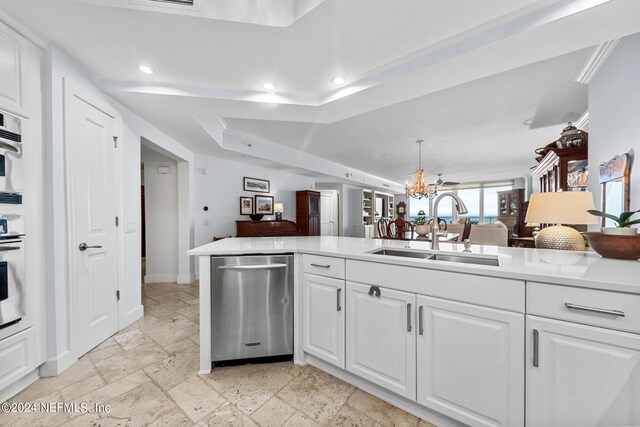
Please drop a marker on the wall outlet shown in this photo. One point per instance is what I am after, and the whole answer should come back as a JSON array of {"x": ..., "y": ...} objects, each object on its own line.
[{"x": 130, "y": 227}]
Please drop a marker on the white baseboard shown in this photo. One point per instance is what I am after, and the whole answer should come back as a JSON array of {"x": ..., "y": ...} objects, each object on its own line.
[
  {"x": 17, "y": 386},
  {"x": 131, "y": 316},
  {"x": 160, "y": 278},
  {"x": 186, "y": 279},
  {"x": 56, "y": 365}
]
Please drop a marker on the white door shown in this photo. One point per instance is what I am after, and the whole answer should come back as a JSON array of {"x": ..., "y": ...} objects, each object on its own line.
[
  {"x": 92, "y": 206},
  {"x": 381, "y": 338},
  {"x": 470, "y": 362},
  {"x": 585, "y": 376},
  {"x": 323, "y": 322},
  {"x": 329, "y": 213}
]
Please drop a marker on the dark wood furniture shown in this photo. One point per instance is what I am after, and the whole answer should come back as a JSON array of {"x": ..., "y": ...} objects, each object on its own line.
[
  {"x": 382, "y": 225},
  {"x": 563, "y": 169},
  {"x": 400, "y": 229},
  {"x": 308, "y": 212},
  {"x": 525, "y": 242},
  {"x": 512, "y": 212},
  {"x": 266, "y": 228}
]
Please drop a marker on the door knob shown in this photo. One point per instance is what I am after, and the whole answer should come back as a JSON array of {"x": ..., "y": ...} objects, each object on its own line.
[{"x": 83, "y": 247}]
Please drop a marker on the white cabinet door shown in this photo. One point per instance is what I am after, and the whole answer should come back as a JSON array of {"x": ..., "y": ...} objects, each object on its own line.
[
  {"x": 471, "y": 362},
  {"x": 585, "y": 376},
  {"x": 12, "y": 49},
  {"x": 323, "y": 318},
  {"x": 381, "y": 340}
]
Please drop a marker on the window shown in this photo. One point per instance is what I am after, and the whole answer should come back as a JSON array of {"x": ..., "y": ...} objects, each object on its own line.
[
  {"x": 491, "y": 203},
  {"x": 471, "y": 198},
  {"x": 445, "y": 208},
  {"x": 416, "y": 205}
]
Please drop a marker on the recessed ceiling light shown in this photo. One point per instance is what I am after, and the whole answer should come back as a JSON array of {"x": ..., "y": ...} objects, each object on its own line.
[
  {"x": 268, "y": 85},
  {"x": 145, "y": 69},
  {"x": 338, "y": 80}
]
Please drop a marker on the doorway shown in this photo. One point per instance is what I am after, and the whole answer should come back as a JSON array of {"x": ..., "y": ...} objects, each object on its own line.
[
  {"x": 329, "y": 218},
  {"x": 159, "y": 215}
]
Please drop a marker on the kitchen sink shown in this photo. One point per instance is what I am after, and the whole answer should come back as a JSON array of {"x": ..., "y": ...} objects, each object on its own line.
[
  {"x": 406, "y": 254},
  {"x": 464, "y": 259}
]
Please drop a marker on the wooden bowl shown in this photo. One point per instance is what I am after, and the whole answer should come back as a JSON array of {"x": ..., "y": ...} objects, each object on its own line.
[{"x": 614, "y": 246}]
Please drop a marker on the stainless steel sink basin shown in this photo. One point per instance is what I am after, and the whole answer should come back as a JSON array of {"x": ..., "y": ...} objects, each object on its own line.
[
  {"x": 465, "y": 259},
  {"x": 406, "y": 254},
  {"x": 439, "y": 257}
]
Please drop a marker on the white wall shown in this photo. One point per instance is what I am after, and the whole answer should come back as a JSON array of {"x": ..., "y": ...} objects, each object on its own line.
[
  {"x": 221, "y": 190},
  {"x": 161, "y": 217},
  {"x": 59, "y": 67},
  {"x": 614, "y": 114}
]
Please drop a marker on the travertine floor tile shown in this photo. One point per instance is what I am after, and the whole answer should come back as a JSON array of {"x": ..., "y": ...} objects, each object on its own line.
[
  {"x": 131, "y": 339},
  {"x": 227, "y": 415},
  {"x": 350, "y": 417},
  {"x": 82, "y": 387},
  {"x": 125, "y": 363},
  {"x": 196, "y": 398},
  {"x": 274, "y": 413},
  {"x": 173, "y": 331},
  {"x": 171, "y": 371},
  {"x": 248, "y": 386},
  {"x": 179, "y": 346},
  {"x": 380, "y": 411},
  {"x": 300, "y": 420}
]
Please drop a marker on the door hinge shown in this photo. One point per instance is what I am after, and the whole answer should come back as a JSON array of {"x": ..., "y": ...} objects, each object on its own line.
[
  {"x": 115, "y": 142},
  {"x": 117, "y": 295},
  {"x": 117, "y": 221}
]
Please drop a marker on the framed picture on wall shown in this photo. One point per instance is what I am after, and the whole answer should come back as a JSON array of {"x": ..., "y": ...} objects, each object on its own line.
[
  {"x": 246, "y": 205},
  {"x": 256, "y": 185},
  {"x": 264, "y": 205}
]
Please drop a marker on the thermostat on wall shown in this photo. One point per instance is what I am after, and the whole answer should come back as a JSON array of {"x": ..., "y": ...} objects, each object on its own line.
[{"x": 164, "y": 170}]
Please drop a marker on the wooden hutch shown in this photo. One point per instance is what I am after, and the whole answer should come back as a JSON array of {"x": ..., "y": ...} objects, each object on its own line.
[
  {"x": 565, "y": 169},
  {"x": 308, "y": 212}
]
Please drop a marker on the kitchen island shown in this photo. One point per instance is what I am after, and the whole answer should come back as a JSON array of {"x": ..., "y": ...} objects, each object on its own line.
[{"x": 453, "y": 339}]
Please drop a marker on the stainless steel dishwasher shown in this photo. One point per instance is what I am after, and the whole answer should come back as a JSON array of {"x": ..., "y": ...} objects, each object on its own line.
[{"x": 251, "y": 306}]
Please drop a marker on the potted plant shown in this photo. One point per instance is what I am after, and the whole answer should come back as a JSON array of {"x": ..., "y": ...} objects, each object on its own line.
[
  {"x": 623, "y": 222},
  {"x": 421, "y": 225}
]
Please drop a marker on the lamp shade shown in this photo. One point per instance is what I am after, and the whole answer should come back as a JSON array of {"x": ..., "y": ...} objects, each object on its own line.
[
  {"x": 563, "y": 207},
  {"x": 421, "y": 213},
  {"x": 278, "y": 207}
]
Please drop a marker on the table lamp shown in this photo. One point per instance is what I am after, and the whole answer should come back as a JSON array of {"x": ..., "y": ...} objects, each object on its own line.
[
  {"x": 278, "y": 208},
  {"x": 563, "y": 207}
]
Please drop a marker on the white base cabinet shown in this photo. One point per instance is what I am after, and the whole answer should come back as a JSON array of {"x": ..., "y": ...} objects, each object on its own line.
[
  {"x": 381, "y": 337},
  {"x": 323, "y": 318},
  {"x": 470, "y": 362},
  {"x": 581, "y": 375}
]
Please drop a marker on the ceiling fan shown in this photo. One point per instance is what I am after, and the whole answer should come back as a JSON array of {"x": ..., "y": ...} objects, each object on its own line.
[{"x": 439, "y": 183}]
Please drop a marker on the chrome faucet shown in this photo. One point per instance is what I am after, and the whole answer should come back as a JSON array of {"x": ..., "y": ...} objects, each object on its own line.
[{"x": 460, "y": 207}]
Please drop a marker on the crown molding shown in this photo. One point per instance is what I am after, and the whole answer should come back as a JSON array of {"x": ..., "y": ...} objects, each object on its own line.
[
  {"x": 583, "y": 121},
  {"x": 23, "y": 30},
  {"x": 596, "y": 61}
]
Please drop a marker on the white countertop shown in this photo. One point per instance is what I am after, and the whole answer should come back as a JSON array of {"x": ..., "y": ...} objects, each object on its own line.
[{"x": 584, "y": 269}]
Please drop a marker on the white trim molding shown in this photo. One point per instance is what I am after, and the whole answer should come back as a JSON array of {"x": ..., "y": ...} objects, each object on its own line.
[
  {"x": 596, "y": 61},
  {"x": 583, "y": 121},
  {"x": 23, "y": 30}
]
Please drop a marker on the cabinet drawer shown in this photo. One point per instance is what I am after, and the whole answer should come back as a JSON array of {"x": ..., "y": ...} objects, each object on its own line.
[
  {"x": 589, "y": 306},
  {"x": 323, "y": 266},
  {"x": 16, "y": 357}
]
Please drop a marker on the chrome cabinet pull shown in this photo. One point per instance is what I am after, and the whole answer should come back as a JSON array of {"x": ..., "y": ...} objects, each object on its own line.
[
  {"x": 536, "y": 345},
  {"x": 420, "y": 325},
  {"x": 320, "y": 265},
  {"x": 9, "y": 248},
  {"x": 594, "y": 309},
  {"x": 338, "y": 298},
  {"x": 83, "y": 247},
  {"x": 409, "y": 317},
  {"x": 374, "y": 290}
]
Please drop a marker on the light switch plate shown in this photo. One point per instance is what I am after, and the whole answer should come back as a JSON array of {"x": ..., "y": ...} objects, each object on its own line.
[{"x": 131, "y": 227}]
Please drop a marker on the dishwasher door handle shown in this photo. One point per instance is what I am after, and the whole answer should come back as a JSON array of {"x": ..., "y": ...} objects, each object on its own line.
[{"x": 252, "y": 267}]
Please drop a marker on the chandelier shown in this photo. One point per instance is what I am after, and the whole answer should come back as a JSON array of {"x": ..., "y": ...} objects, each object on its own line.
[{"x": 418, "y": 188}]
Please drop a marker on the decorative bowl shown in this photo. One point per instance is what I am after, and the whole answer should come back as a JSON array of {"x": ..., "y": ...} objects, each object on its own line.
[{"x": 616, "y": 246}]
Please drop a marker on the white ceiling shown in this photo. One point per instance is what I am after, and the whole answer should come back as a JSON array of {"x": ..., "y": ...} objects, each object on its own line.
[{"x": 493, "y": 78}]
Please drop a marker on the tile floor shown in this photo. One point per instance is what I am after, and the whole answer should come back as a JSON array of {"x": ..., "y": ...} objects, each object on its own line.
[{"x": 147, "y": 373}]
